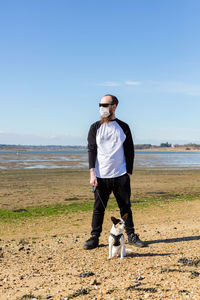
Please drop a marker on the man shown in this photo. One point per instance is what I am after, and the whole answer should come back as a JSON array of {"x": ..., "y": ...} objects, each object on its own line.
[{"x": 111, "y": 156}]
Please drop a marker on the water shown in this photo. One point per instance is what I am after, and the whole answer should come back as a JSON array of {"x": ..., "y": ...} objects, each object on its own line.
[
  {"x": 79, "y": 159},
  {"x": 167, "y": 160}
]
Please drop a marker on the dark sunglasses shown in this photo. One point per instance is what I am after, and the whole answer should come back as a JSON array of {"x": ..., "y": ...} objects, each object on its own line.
[{"x": 105, "y": 104}]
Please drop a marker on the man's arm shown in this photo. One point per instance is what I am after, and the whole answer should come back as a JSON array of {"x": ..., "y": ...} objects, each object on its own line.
[
  {"x": 92, "y": 153},
  {"x": 128, "y": 147},
  {"x": 129, "y": 151}
]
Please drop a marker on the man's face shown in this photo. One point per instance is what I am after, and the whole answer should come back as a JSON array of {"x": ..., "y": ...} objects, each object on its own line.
[{"x": 108, "y": 100}]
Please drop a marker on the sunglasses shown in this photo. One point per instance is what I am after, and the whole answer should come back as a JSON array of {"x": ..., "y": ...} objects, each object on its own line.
[{"x": 105, "y": 104}]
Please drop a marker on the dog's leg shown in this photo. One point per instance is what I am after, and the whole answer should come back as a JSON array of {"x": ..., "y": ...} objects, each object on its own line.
[
  {"x": 110, "y": 252},
  {"x": 122, "y": 248},
  {"x": 122, "y": 252},
  {"x": 110, "y": 249}
]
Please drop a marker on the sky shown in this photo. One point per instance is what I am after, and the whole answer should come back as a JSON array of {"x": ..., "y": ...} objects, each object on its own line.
[{"x": 58, "y": 58}]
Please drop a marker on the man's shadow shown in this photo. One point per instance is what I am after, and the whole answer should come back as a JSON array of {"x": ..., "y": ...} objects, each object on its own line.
[
  {"x": 172, "y": 240},
  {"x": 175, "y": 240},
  {"x": 135, "y": 254}
]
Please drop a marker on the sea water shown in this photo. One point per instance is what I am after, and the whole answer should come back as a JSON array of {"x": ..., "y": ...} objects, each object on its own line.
[{"x": 79, "y": 159}]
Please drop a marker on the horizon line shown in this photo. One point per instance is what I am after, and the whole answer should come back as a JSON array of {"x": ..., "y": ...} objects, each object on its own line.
[{"x": 51, "y": 145}]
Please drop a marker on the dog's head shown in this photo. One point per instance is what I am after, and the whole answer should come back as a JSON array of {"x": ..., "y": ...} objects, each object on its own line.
[{"x": 119, "y": 224}]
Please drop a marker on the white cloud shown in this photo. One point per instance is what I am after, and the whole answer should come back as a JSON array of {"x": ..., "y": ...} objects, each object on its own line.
[
  {"x": 115, "y": 83},
  {"x": 163, "y": 86},
  {"x": 110, "y": 83},
  {"x": 176, "y": 87},
  {"x": 129, "y": 82}
]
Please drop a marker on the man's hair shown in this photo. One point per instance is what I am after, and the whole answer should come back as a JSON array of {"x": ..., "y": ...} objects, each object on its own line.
[{"x": 114, "y": 99}]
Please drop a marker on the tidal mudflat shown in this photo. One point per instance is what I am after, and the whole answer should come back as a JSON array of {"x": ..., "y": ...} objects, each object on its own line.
[{"x": 27, "y": 160}]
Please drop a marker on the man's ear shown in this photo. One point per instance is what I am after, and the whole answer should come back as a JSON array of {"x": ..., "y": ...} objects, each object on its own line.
[
  {"x": 125, "y": 217},
  {"x": 114, "y": 106},
  {"x": 114, "y": 220}
]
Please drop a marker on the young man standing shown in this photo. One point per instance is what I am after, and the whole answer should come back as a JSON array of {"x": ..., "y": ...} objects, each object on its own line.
[{"x": 111, "y": 156}]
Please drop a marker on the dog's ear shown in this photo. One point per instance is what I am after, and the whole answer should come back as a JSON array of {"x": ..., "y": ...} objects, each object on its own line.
[
  {"x": 125, "y": 217},
  {"x": 114, "y": 220}
]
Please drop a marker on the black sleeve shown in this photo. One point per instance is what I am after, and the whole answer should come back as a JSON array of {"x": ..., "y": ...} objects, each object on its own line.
[
  {"x": 129, "y": 152},
  {"x": 92, "y": 145}
]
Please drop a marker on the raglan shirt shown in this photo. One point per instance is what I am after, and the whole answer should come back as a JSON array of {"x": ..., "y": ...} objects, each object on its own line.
[{"x": 110, "y": 149}]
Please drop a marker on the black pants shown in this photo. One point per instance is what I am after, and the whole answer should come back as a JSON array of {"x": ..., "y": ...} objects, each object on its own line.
[{"x": 120, "y": 186}]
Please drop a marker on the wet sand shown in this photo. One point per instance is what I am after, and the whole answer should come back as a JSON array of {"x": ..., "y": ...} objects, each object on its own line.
[
  {"x": 23, "y": 188},
  {"x": 27, "y": 160},
  {"x": 23, "y": 160}
]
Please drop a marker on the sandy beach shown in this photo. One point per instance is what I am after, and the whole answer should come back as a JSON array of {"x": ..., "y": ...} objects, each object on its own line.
[{"x": 41, "y": 257}]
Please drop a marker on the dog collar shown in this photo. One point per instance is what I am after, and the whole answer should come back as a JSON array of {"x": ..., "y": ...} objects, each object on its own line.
[{"x": 116, "y": 239}]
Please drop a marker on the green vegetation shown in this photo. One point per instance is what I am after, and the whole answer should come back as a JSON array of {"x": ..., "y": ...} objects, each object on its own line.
[
  {"x": 31, "y": 212},
  {"x": 31, "y": 194},
  {"x": 48, "y": 210},
  {"x": 165, "y": 145}
]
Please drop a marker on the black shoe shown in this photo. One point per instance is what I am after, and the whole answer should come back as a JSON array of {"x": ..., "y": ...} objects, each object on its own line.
[
  {"x": 91, "y": 243},
  {"x": 133, "y": 239}
]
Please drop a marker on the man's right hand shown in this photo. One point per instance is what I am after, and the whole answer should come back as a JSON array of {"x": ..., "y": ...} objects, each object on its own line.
[{"x": 93, "y": 179}]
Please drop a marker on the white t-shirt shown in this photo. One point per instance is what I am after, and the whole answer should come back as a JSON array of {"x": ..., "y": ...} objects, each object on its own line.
[{"x": 110, "y": 161}]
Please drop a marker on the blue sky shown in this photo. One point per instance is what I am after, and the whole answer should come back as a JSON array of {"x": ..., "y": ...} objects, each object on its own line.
[{"x": 58, "y": 58}]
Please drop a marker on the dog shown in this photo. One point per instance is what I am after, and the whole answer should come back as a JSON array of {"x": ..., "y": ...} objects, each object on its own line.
[{"x": 116, "y": 238}]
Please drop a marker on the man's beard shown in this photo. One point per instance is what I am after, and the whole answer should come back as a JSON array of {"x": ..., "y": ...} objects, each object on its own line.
[{"x": 106, "y": 119}]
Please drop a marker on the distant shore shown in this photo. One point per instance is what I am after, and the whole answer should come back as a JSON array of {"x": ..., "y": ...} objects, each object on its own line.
[
  {"x": 83, "y": 148},
  {"x": 171, "y": 149},
  {"x": 77, "y": 158}
]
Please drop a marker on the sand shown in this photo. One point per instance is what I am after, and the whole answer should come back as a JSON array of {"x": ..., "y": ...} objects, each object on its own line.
[{"x": 43, "y": 258}]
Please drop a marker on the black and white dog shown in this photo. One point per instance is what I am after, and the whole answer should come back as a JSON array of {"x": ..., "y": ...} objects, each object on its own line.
[{"x": 116, "y": 238}]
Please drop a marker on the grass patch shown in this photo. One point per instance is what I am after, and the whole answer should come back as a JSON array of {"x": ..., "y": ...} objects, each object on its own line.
[
  {"x": 146, "y": 202},
  {"x": 43, "y": 211},
  {"x": 7, "y": 215}
]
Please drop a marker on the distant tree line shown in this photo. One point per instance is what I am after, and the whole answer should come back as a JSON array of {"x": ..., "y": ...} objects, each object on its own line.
[
  {"x": 189, "y": 146},
  {"x": 166, "y": 145},
  {"x": 60, "y": 147},
  {"x": 143, "y": 146},
  {"x": 41, "y": 147},
  {"x": 149, "y": 146}
]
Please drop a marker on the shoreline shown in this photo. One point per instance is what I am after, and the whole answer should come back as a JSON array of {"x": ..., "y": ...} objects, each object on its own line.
[
  {"x": 84, "y": 149},
  {"x": 146, "y": 158},
  {"x": 169, "y": 149}
]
